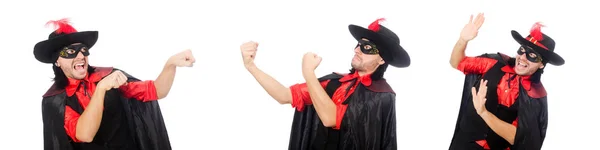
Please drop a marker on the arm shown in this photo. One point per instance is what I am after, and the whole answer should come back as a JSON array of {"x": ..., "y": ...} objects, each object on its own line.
[
  {"x": 469, "y": 32},
  {"x": 89, "y": 121},
  {"x": 458, "y": 53},
  {"x": 141, "y": 90},
  {"x": 275, "y": 89},
  {"x": 543, "y": 120},
  {"x": 164, "y": 81},
  {"x": 476, "y": 65},
  {"x": 504, "y": 129},
  {"x": 467, "y": 65},
  {"x": 389, "y": 141},
  {"x": 323, "y": 104}
]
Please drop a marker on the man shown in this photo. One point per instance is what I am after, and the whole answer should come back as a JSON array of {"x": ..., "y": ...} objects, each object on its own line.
[
  {"x": 509, "y": 110},
  {"x": 92, "y": 108},
  {"x": 342, "y": 111}
]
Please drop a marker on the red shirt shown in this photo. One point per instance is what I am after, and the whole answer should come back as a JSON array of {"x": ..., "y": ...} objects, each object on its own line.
[
  {"x": 301, "y": 97},
  {"x": 508, "y": 91},
  {"x": 142, "y": 90}
]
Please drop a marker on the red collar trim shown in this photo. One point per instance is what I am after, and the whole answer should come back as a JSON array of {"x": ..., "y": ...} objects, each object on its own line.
[
  {"x": 98, "y": 74},
  {"x": 365, "y": 79}
]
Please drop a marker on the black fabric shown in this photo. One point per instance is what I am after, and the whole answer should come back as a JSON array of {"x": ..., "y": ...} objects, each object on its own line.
[
  {"x": 126, "y": 124},
  {"x": 470, "y": 127},
  {"x": 368, "y": 124}
]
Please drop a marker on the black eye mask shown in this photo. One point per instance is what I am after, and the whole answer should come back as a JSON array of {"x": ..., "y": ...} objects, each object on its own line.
[
  {"x": 71, "y": 51},
  {"x": 530, "y": 54},
  {"x": 367, "y": 47}
]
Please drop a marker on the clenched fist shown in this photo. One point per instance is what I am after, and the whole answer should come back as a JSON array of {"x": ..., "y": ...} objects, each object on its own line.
[
  {"x": 113, "y": 80},
  {"x": 310, "y": 61},
  {"x": 249, "y": 52},
  {"x": 183, "y": 59}
]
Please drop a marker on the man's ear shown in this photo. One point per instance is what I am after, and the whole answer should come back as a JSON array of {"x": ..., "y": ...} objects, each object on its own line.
[
  {"x": 542, "y": 66},
  {"x": 381, "y": 61}
]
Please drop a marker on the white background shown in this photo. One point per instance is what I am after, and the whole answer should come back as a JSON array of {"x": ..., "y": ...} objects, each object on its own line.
[{"x": 217, "y": 104}]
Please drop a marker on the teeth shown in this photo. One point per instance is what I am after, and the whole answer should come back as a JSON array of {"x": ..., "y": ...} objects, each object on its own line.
[{"x": 522, "y": 64}]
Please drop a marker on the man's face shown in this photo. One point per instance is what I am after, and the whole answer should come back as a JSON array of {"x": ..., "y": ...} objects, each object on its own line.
[
  {"x": 527, "y": 61},
  {"x": 366, "y": 56},
  {"x": 73, "y": 61}
]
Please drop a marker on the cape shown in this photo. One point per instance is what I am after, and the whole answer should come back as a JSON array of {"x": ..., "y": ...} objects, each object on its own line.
[
  {"x": 530, "y": 113},
  {"x": 368, "y": 124},
  {"x": 144, "y": 119}
]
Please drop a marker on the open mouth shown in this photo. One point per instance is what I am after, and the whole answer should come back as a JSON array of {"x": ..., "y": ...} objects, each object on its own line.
[
  {"x": 356, "y": 58},
  {"x": 522, "y": 64},
  {"x": 79, "y": 66}
]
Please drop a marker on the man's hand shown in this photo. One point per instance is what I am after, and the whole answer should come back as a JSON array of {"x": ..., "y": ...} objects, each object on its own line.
[
  {"x": 471, "y": 29},
  {"x": 479, "y": 97},
  {"x": 182, "y": 59},
  {"x": 310, "y": 62},
  {"x": 248, "y": 53},
  {"x": 113, "y": 80}
]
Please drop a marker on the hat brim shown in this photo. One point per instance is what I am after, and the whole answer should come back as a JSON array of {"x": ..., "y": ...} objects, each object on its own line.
[
  {"x": 45, "y": 51},
  {"x": 399, "y": 56},
  {"x": 550, "y": 56}
]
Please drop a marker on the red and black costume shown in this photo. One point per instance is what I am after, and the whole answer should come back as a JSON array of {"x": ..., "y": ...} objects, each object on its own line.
[
  {"x": 131, "y": 117},
  {"x": 519, "y": 100},
  {"x": 365, "y": 105}
]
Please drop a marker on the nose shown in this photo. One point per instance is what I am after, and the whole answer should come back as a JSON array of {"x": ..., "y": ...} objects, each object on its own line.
[
  {"x": 80, "y": 55},
  {"x": 357, "y": 50},
  {"x": 522, "y": 56}
]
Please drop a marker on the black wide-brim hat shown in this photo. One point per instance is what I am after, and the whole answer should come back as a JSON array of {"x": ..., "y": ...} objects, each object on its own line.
[
  {"x": 540, "y": 43},
  {"x": 386, "y": 41},
  {"x": 47, "y": 51}
]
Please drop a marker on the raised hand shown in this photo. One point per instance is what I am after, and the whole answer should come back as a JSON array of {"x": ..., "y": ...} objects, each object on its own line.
[
  {"x": 479, "y": 97},
  {"x": 471, "y": 29}
]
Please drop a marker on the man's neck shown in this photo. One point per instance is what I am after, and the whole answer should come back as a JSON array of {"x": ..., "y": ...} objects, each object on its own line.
[{"x": 362, "y": 73}]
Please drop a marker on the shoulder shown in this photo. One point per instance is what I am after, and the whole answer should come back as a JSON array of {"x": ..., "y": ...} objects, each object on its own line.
[
  {"x": 333, "y": 75},
  {"x": 386, "y": 98},
  {"x": 499, "y": 57},
  {"x": 52, "y": 91},
  {"x": 53, "y": 101},
  {"x": 101, "y": 72},
  {"x": 537, "y": 90},
  {"x": 381, "y": 86}
]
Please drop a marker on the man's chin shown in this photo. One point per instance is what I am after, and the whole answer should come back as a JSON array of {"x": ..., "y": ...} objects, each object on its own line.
[
  {"x": 79, "y": 76},
  {"x": 522, "y": 72}
]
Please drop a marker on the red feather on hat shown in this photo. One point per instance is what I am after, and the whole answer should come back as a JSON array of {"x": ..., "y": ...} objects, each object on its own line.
[
  {"x": 62, "y": 26},
  {"x": 375, "y": 25},
  {"x": 536, "y": 31}
]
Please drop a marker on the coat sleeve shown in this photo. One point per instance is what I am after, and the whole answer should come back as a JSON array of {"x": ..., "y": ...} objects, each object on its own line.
[
  {"x": 55, "y": 136},
  {"x": 533, "y": 122},
  {"x": 389, "y": 139}
]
